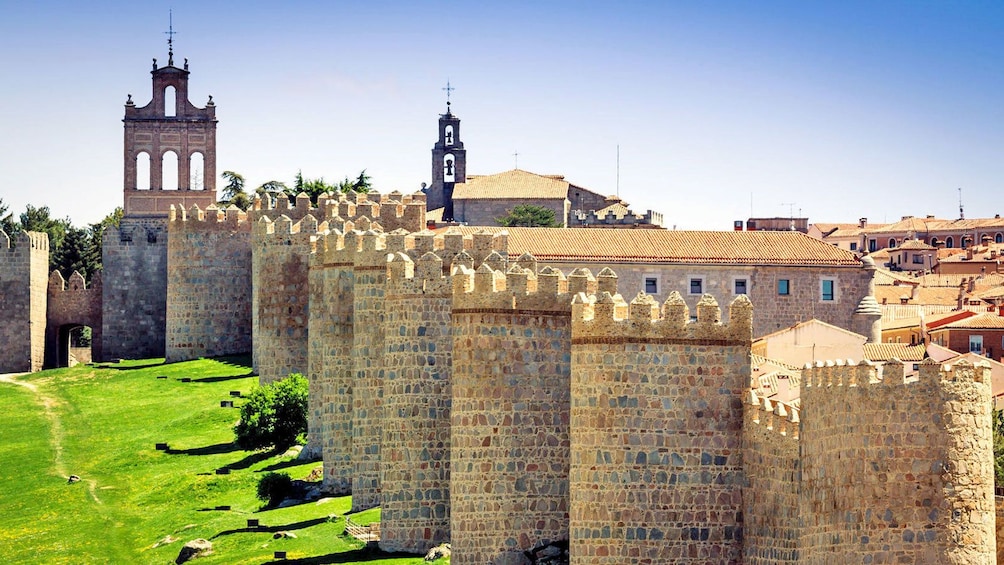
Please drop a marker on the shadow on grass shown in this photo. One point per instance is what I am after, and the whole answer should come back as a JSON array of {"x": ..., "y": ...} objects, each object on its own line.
[
  {"x": 273, "y": 529},
  {"x": 355, "y": 556},
  {"x": 251, "y": 459},
  {"x": 221, "y": 379},
  {"x": 129, "y": 367},
  {"x": 284, "y": 464},
  {"x": 214, "y": 449}
]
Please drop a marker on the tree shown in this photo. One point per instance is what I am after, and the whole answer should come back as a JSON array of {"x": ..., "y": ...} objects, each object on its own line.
[
  {"x": 235, "y": 185},
  {"x": 998, "y": 442},
  {"x": 7, "y": 223},
  {"x": 41, "y": 220},
  {"x": 529, "y": 216},
  {"x": 275, "y": 415}
]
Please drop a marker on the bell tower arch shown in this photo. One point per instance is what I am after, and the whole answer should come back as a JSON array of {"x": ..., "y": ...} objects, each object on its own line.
[{"x": 169, "y": 126}]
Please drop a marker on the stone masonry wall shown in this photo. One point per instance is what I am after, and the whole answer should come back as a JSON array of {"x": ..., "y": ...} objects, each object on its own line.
[
  {"x": 894, "y": 471},
  {"x": 134, "y": 291},
  {"x": 280, "y": 262},
  {"x": 370, "y": 275},
  {"x": 509, "y": 425},
  {"x": 773, "y": 475},
  {"x": 415, "y": 446},
  {"x": 331, "y": 364},
  {"x": 485, "y": 212},
  {"x": 23, "y": 282},
  {"x": 71, "y": 303},
  {"x": 773, "y": 311},
  {"x": 657, "y": 465},
  {"x": 209, "y": 283}
]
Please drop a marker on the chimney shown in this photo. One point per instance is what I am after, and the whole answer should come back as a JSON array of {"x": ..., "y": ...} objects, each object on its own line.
[
  {"x": 863, "y": 223},
  {"x": 969, "y": 253}
]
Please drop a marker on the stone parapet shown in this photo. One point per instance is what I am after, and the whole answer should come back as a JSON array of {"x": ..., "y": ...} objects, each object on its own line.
[
  {"x": 209, "y": 283},
  {"x": 24, "y": 269},
  {"x": 509, "y": 422},
  {"x": 415, "y": 448},
  {"x": 896, "y": 470},
  {"x": 656, "y": 419}
]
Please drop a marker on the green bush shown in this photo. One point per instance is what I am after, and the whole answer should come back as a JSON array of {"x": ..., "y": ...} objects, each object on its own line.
[
  {"x": 274, "y": 487},
  {"x": 274, "y": 416}
]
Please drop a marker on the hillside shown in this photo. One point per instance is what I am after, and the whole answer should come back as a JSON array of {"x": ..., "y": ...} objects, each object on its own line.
[{"x": 134, "y": 502}]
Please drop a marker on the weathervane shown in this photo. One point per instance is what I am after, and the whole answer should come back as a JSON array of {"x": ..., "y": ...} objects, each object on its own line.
[
  {"x": 170, "y": 38},
  {"x": 448, "y": 90}
]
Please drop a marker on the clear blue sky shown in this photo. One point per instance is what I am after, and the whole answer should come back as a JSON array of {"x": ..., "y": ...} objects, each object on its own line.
[{"x": 845, "y": 109}]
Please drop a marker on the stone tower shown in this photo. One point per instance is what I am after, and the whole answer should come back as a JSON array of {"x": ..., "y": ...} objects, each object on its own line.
[
  {"x": 169, "y": 126},
  {"x": 167, "y": 130},
  {"x": 449, "y": 164}
]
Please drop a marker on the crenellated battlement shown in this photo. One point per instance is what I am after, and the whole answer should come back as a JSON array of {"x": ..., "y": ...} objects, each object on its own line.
[
  {"x": 606, "y": 315},
  {"x": 517, "y": 288},
  {"x": 24, "y": 240},
  {"x": 773, "y": 415},
  {"x": 845, "y": 373},
  {"x": 212, "y": 218},
  {"x": 76, "y": 282},
  {"x": 284, "y": 225}
]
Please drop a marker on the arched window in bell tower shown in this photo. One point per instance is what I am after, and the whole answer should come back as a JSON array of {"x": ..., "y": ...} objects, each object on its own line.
[
  {"x": 170, "y": 102},
  {"x": 448, "y": 135},
  {"x": 449, "y": 171},
  {"x": 142, "y": 171},
  {"x": 196, "y": 172},
  {"x": 169, "y": 171}
]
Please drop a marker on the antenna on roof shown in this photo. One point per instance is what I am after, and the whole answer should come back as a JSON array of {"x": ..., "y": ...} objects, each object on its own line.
[
  {"x": 516, "y": 157},
  {"x": 962, "y": 214},
  {"x": 170, "y": 38},
  {"x": 791, "y": 214}
]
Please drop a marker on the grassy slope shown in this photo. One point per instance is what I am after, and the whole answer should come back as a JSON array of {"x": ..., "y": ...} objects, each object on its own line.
[{"x": 133, "y": 496}]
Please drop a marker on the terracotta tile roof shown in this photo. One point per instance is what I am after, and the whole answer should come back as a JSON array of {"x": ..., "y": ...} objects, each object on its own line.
[
  {"x": 901, "y": 351},
  {"x": 911, "y": 244},
  {"x": 907, "y": 225},
  {"x": 982, "y": 281},
  {"x": 828, "y": 228},
  {"x": 985, "y": 321},
  {"x": 993, "y": 293},
  {"x": 618, "y": 209},
  {"x": 512, "y": 184},
  {"x": 939, "y": 295},
  {"x": 671, "y": 246}
]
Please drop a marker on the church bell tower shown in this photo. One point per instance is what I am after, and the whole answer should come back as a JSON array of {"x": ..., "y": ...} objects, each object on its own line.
[{"x": 449, "y": 162}]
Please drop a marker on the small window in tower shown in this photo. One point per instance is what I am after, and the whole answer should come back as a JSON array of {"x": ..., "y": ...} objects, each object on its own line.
[
  {"x": 448, "y": 135},
  {"x": 651, "y": 285},
  {"x": 170, "y": 102},
  {"x": 449, "y": 175},
  {"x": 142, "y": 171},
  {"x": 169, "y": 173},
  {"x": 196, "y": 172}
]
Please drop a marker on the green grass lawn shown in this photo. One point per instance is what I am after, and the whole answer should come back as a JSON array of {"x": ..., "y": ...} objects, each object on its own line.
[{"x": 135, "y": 504}]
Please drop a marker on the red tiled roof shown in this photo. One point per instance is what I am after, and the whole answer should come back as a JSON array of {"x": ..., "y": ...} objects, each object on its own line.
[
  {"x": 512, "y": 184},
  {"x": 985, "y": 321},
  {"x": 901, "y": 351},
  {"x": 671, "y": 246}
]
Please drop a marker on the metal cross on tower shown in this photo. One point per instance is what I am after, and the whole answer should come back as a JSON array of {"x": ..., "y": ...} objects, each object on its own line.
[
  {"x": 516, "y": 158},
  {"x": 448, "y": 90},
  {"x": 170, "y": 38}
]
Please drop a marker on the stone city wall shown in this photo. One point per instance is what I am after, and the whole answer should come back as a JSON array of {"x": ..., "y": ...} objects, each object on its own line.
[
  {"x": 71, "y": 304},
  {"x": 486, "y": 212},
  {"x": 134, "y": 289},
  {"x": 896, "y": 471},
  {"x": 509, "y": 425},
  {"x": 773, "y": 476},
  {"x": 280, "y": 261},
  {"x": 23, "y": 281},
  {"x": 209, "y": 283},
  {"x": 656, "y": 427}
]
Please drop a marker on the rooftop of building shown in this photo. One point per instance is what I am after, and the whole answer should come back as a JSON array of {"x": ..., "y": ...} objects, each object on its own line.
[
  {"x": 759, "y": 248},
  {"x": 512, "y": 184}
]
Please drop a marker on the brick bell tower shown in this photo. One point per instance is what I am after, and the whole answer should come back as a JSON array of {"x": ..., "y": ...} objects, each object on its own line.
[
  {"x": 449, "y": 162},
  {"x": 169, "y": 129}
]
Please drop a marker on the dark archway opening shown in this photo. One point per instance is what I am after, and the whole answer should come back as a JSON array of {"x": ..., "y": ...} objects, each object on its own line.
[{"x": 76, "y": 343}]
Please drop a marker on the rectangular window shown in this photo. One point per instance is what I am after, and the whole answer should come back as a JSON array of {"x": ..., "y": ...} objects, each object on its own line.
[
  {"x": 918, "y": 259},
  {"x": 740, "y": 287},
  {"x": 827, "y": 290},
  {"x": 872, "y": 245},
  {"x": 854, "y": 246},
  {"x": 976, "y": 344},
  {"x": 651, "y": 285},
  {"x": 696, "y": 285},
  {"x": 783, "y": 287}
]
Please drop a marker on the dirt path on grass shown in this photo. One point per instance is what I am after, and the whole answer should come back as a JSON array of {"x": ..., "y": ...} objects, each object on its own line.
[{"x": 49, "y": 404}]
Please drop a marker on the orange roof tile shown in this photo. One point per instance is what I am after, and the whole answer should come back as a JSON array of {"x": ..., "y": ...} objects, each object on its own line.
[
  {"x": 512, "y": 184},
  {"x": 671, "y": 246},
  {"x": 901, "y": 351},
  {"x": 985, "y": 321}
]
